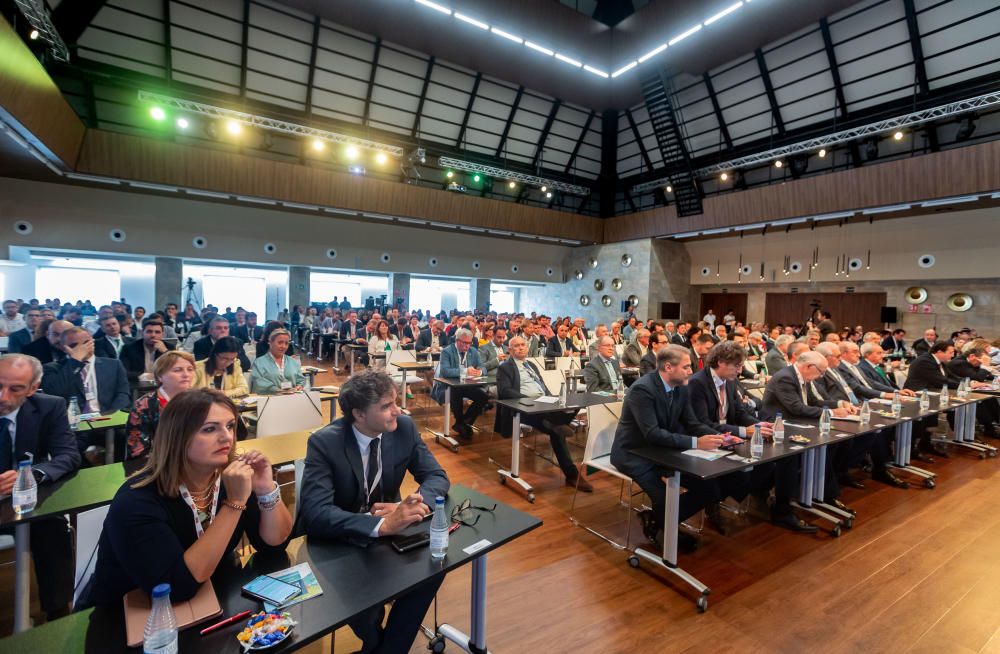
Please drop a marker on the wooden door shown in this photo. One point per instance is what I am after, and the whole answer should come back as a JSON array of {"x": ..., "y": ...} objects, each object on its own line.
[{"x": 722, "y": 303}]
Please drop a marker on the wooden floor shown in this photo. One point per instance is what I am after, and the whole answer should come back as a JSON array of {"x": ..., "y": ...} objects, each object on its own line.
[{"x": 918, "y": 573}]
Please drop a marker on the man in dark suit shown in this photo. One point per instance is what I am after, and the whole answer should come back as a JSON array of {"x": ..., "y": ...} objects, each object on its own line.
[
  {"x": 700, "y": 347},
  {"x": 923, "y": 345},
  {"x": 637, "y": 349},
  {"x": 494, "y": 353},
  {"x": 775, "y": 359},
  {"x": 218, "y": 328},
  {"x": 969, "y": 365},
  {"x": 560, "y": 345},
  {"x": 250, "y": 331},
  {"x": 109, "y": 340},
  {"x": 519, "y": 378},
  {"x": 894, "y": 345},
  {"x": 657, "y": 411},
  {"x": 354, "y": 468},
  {"x": 647, "y": 363},
  {"x": 603, "y": 372},
  {"x": 47, "y": 349},
  {"x": 681, "y": 337},
  {"x": 928, "y": 371},
  {"x": 37, "y": 423},
  {"x": 352, "y": 329},
  {"x": 826, "y": 324},
  {"x": 433, "y": 338},
  {"x": 139, "y": 355},
  {"x": 457, "y": 358},
  {"x": 22, "y": 337}
]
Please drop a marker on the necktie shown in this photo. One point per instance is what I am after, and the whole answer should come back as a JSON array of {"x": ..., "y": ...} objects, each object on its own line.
[
  {"x": 861, "y": 378},
  {"x": 881, "y": 372},
  {"x": 720, "y": 391},
  {"x": 6, "y": 446},
  {"x": 701, "y": 363},
  {"x": 374, "y": 473}
]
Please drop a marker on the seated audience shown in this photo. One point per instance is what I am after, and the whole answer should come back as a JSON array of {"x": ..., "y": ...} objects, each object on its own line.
[
  {"x": 433, "y": 339},
  {"x": 460, "y": 360},
  {"x": 494, "y": 353},
  {"x": 222, "y": 370},
  {"x": 19, "y": 339},
  {"x": 384, "y": 340},
  {"x": 276, "y": 372},
  {"x": 637, "y": 349},
  {"x": 218, "y": 328},
  {"x": 11, "y": 320},
  {"x": 700, "y": 346},
  {"x": 355, "y": 498},
  {"x": 776, "y": 357},
  {"x": 183, "y": 515},
  {"x": 47, "y": 349},
  {"x": 139, "y": 357},
  {"x": 561, "y": 345},
  {"x": 657, "y": 341},
  {"x": 603, "y": 372},
  {"x": 174, "y": 372},
  {"x": 264, "y": 343}
]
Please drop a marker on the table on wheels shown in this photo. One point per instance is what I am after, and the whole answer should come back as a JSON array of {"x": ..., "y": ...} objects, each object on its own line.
[{"x": 450, "y": 383}]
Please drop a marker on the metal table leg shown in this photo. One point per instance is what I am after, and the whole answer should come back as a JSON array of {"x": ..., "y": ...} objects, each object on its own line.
[
  {"x": 819, "y": 490},
  {"x": 671, "y": 520},
  {"x": 109, "y": 446},
  {"x": 476, "y": 643},
  {"x": 352, "y": 361},
  {"x": 515, "y": 460},
  {"x": 336, "y": 357},
  {"x": 445, "y": 433},
  {"x": 403, "y": 392},
  {"x": 904, "y": 441},
  {"x": 965, "y": 430},
  {"x": 807, "y": 488},
  {"x": 22, "y": 577}
]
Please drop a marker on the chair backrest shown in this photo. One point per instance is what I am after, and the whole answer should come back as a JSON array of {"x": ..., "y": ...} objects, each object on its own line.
[
  {"x": 538, "y": 361},
  {"x": 619, "y": 350},
  {"x": 280, "y": 414},
  {"x": 750, "y": 366},
  {"x": 602, "y": 421},
  {"x": 554, "y": 380},
  {"x": 565, "y": 363},
  {"x": 300, "y": 466},
  {"x": 89, "y": 525},
  {"x": 397, "y": 356}
]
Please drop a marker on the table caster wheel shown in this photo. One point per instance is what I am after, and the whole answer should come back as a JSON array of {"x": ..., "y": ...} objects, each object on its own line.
[
  {"x": 437, "y": 644},
  {"x": 454, "y": 448},
  {"x": 503, "y": 480},
  {"x": 929, "y": 483},
  {"x": 992, "y": 453},
  {"x": 849, "y": 523},
  {"x": 982, "y": 455},
  {"x": 702, "y": 604},
  {"x": 835, "y": 532},
  {"x": 633, "y": 561},
  {"x": 531, "y": 497}
]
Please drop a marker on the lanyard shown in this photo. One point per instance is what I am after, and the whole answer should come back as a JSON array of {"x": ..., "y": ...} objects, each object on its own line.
[
  {"x": 462, "y": 358},
  {"x": 186, "y": 496}
]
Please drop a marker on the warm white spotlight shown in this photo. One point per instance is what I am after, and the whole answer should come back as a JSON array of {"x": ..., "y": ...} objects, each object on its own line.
[
  {"x": 318, "y": 145},
  {"x": 34, "y": 35},
  {"x": 351, "y": 152},
  {"x": 822, "y": 153},
  {"x": 544, "y": 189},
  {"x": 380, "y": 158},
  {"x": 898, "y": 136},
  {"x": 548, "y": 195},
  {"x": 778, "y": 163},
  {"x": 670, "y": 189},
  {"x": 233, "y": 127},
  {"x": 449, "y": 174},
  {"x": 724, "y": 176},
  {"x": 511, "y": 184}
]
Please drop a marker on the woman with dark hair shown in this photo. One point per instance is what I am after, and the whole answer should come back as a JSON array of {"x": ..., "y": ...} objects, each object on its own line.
[
  {"x": 183, "y": 514},
  {"x": 221, "y": 370},
  {"x": 265, "y": 338}
]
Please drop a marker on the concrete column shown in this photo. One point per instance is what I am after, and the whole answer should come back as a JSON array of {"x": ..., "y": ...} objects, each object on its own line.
[
  {"x": 399, "y": 287},
  {"x": 298, "y": 286},
  {"x": 168, "y": 282},
  {"x": 670, "y": 280},
  {"x": 480, "y": 294}
]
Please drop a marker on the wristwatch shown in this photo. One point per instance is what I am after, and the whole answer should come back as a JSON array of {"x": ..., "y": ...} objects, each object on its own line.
[{"x": 38, "y": 475}]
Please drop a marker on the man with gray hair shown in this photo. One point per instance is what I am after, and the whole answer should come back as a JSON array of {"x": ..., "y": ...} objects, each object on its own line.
[
  {"x": 459, "y": 361},
  {"x": 599, "y": 332},
  {"x": 637, "y": 349},
  {"x": 34, "y": 422},
  {"x": 218, "y": 328},
  {"x": 602, "y": 372},
  {"x": 775, "y": 359}
]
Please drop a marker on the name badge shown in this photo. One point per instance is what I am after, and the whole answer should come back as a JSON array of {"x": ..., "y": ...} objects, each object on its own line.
[{"x": 285, "y": 385}]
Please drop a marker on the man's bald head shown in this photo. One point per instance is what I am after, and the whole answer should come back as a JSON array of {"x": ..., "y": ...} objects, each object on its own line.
[{"x": 56, "y": 328}]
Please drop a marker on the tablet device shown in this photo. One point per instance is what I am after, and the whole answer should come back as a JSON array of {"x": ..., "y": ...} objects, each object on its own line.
[{"x": 271, "y": 589}]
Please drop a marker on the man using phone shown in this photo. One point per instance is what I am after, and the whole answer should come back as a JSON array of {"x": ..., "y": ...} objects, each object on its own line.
[{"x": 350, "y": 493}]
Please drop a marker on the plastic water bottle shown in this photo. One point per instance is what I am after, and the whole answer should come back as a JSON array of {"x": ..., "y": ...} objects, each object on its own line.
[
  {"x": 966, "y": 387},
  {"x": 160, "y": 634},
  {"x": 779, "y": 429},
  {"x": 866, "y": 413},
  {"x": 619, "y": 389},
  {"x": 439, "y": 530},
  {"x": 943, "y": 397},
  {"x": 562, "y": 393},
  {"x": 825, "y": 420},
  {"x": 925, "y": 401},
  {"x": 25, "y": 494},
  {"x": 897, "y": 404},
  {"x": 73, "y": 413},
  {"x": 756, "y": 444}
]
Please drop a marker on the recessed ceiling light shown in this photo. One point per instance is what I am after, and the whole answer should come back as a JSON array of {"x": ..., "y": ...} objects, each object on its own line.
[
  {"x": 683, "y": 35},
  {"x": 652, "y": 53},
  {"x": 471, "y": 21},
  {"x": 435, "y": 6}
]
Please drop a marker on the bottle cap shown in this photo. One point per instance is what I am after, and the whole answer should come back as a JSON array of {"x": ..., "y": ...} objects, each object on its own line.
[
  {"x": 161, "y": 590},
  {"x": 439, "y": 500},
  {"x": 25, "y": 463}
]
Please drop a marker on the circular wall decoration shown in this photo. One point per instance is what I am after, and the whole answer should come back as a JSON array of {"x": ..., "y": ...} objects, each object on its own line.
[
  {"x": 433, "y": 262},
  {"x": 746, "y": 269},
  {"x": 626, "y": 260},
  {"x": 550, "y": 272},
  {"x": 960, "y": 302},
  {"x": 926, "y": 260},
  {"x": 584, "y": 300},
  {"x": 598, "y": 284},
  {"x": 117, "y": 235},
  {"x": 633, "y": 301},
  {"x": 199, "y": 242},
  {"x": 795, "y": 267},
  {"x": 385, "y": 257},
  {"x": 270, "y": 248},
  {"x": 514, "y": 268},
  {"x": 854, "y": 264},
  {"x": 593, "y": 262},
  {"x": 706, "y": 271},
  {"x": 616, "y": 284},
  {"x": 475, "y": 265},
  {"x": 578, "y": 274},
  {"x": 23, "y": 227},
  {"x": 331, "y": 254},
  {"x": 916, "y": 295},
  {"x": 606, "y": 300}
]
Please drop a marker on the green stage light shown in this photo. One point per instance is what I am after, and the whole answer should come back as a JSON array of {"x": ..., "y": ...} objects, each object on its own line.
[
  {"x": 476, "y": 178},
  {"x": 157, "y": 113}
]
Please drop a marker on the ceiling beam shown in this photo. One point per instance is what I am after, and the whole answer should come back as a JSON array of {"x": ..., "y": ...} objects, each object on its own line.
[
  {"x": 371, "y": 82},
  {"x": 723, "y": 129},
  {"x": 510, "y": 121},
  {"x": 917, "y": 48},
  {"x": 168, "y": 55},
  {"x": 468, "y": 110},
  {"x": 544, "y": 136},
  {"x": 831, "y": 60},
  {"x": 244, "y": 48},
  {"x": 579, "y": 141},
  {"x": 314, "y": 47},
  {"x": 765, "y": 77},
  {"x": 72, "y": 18},
  {"x": 638, "y": 140},
  {"x": 423, "y": 96}
]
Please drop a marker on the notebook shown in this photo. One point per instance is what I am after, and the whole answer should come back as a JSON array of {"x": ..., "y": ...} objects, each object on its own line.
[{"x": 201, "y": 607}]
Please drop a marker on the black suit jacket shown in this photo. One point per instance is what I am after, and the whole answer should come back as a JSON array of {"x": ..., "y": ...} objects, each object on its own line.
[
  {"x": 925, "y": 374},
  {"x": 424, "y": 340},
  {"x": 246, "y": 333},
  {"x": 133, "y": 357},
  {"x": 650, "y": 417},
  {"x": 43, "y": 429},
  {"x": 783, "y": 394},
  {"x": 554, "y": 349},
  {"x": 509, "y": 388},
  {"x": 43, "y": 351},
  {"x": 862, "y": 392},
  {"x": 961, "y": 368},
  {"x": 678, "y": 339},
  {"x": 333, "y": 480},
  {"x": 203, "y": 349},
  {"x": 63, "y": 379},
  {"x": 647, "y": 363},
  {"x": 345, "y": 330},
  {"x": 889, "y": 345},
  {"x": 921, "y": 346},
  {"x": 18, "y": 340},
  {"x": 705, "y": 404}
]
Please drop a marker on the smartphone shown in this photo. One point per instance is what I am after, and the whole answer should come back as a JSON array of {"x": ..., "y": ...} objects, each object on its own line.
[
  {"x": 411, "y": 542},
  {"x": 525, "y": 403},
  {"x": 272, "y": 590}
]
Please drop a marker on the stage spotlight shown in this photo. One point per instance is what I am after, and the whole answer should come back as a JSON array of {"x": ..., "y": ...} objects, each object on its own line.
[
  {"x": 233, "y": 127},
  {"x": 898, "y": 136},
  {"x": 318, "y": 145},
  {"x": 548, "y": 195},
  {"x": 33, "y": 35},
  {"x": 476, "y": 178},
  {"x": 158, "y": 113},
  {"x": 822, "y": 153},
  {"x": 544, "y": 189},
  {"x": 449, "y": 174},
  {"x": 724, "y": 176},
  {"x": 670, "y": 189},
  {"x": 511, "y": 184},
  {"x": 351, "y": 152},
  {"x": 380, "y": 158},
  {"x": 966, "y": 128},
  {"x": 778, "y": 163},
  {"x": 182, "y": 123}
]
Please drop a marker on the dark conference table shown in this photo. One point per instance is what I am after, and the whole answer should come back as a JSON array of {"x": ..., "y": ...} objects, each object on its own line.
[{"x": 354, "y": 579}]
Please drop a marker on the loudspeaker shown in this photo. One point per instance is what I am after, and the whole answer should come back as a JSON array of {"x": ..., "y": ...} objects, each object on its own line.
[
  {"x": 625, "y": 306},
  {"x": 889, "y": 314}
]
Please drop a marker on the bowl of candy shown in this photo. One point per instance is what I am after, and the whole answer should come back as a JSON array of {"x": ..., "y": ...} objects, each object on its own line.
[{"x": 265, "y": 630}]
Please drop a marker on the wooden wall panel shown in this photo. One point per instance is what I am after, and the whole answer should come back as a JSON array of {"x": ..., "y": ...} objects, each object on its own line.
[
  {"x": 721, "y": 303},
  {"x": 29, "y": 98},
  {"x": 848, "y": 309},
  {"x": 149, "y": 160},
  {"x": 961, "y": 171}
]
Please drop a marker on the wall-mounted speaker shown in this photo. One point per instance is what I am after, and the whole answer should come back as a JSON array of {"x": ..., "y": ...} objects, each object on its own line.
[{"x": 888, "y": 314}]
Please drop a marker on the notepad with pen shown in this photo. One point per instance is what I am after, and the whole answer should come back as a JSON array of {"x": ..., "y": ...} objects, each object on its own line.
[{"x": 201, "y": 607}]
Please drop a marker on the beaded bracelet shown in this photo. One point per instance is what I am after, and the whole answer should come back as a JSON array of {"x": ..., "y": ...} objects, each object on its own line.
[{"x": 269, "y": 501}]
